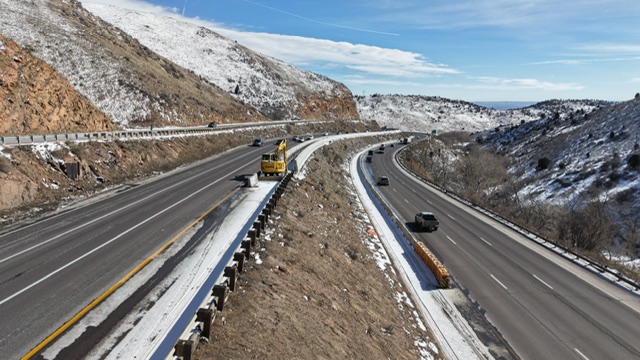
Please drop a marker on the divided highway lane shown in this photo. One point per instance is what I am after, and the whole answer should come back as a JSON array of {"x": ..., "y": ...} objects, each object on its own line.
[
  {"x": 545, "y": 306},
  {"x": 53, "y": 268}
]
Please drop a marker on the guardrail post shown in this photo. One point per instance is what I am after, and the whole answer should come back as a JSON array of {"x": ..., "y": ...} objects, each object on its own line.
[
  {"x": 256, "y": 226},
  {"x": 206, "y": 316},
  {"x": 261, "y": 219},
  {"x": 252, "y": 236},
  {"x": 239, "y": 258},
  {"x": 183, "y": 349},
  {"x": 246, "y": 245},
  {"x": 221, "y": 292},
  {"x": 230, "y": 272}
]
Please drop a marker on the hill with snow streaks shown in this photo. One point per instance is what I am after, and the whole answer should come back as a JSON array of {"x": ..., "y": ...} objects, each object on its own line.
[
  {"x": 276, "y": 89},
  {"x": 427, "y": 113},
  {"x": 136, "y": 87},
  {"x": 575, "y": 152}
]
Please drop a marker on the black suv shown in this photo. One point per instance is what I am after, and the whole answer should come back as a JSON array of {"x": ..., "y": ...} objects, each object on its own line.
[{"x": 258, "y": 142}]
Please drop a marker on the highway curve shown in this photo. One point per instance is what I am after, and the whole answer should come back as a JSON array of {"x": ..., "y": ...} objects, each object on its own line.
[{"x": 545, "y": 306}]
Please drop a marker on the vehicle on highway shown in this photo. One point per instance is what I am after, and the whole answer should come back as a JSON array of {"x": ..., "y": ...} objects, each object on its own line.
[
  {"x": 258, "y": 142},
  {"x": 426, "y": 220},
  {"x": 308, "y": 137},
  {"x": 370, "y": 153},
  {"x": 275, "y": 163},
  {"x": 325, "y": 134},
  {"x": 279, "y": 141},
  {"x": 383, "y": 181},
  {"x": 212, "y": 124}
]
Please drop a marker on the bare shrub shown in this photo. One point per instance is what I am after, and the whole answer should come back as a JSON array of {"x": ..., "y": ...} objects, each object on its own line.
[
  {"x": 586, "y": 225},
  {"x": 5, "y": 165}
]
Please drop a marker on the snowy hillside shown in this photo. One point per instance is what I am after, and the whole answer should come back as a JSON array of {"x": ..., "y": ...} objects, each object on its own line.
[
  {"x": 269, "y": 85},
  {"x": 427, "y": 113},
  {"x": 569, "y": 153},
  {"x": 195, "y": 77}
]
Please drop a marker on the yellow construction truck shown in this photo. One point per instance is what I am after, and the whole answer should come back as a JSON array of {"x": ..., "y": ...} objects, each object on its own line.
[{"x": 275, "y": 163}]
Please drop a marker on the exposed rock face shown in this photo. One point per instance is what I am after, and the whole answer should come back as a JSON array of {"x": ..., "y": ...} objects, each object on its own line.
[
  {"x": 36, "y": 99},
  {"x": 16, "y": 189},
  {"x": 339, "y": 105}
]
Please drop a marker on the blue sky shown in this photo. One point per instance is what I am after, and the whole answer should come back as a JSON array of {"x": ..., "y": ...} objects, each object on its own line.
[{"x": 475, "y": 50}]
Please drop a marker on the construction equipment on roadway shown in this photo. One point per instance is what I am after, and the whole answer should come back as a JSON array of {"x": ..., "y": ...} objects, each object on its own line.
[{"x": 274, "y": 164}]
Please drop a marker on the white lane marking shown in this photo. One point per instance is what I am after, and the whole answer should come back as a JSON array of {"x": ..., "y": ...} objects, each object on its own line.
[
  {"x": 407, "y": 201},
  {"x": 112, "y": 240},
  {"x": 429, "y": 202},
  {"x": 394, "y": 189},
  {"x": 498, "y": 281},
  {"x": 581, "y": 354},
  {"x": 486, "y": 242},
  {"x": 450, "y": 239},
  {"x": 452, "y": 218},
  {"x": 111, "y": 213},
  {"x": 542, "y": 281}
]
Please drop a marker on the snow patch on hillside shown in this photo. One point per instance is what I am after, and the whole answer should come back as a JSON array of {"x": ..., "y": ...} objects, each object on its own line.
[
  {"x": 34, "y": 25},
  {"x": 261, "y": 81}
]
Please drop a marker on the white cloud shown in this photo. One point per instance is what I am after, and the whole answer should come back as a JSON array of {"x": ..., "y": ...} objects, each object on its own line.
[
  {"x": 611, "y": 48},
  {"x": 368, "y": 59},
  {"x": 584, "y": 61},
  {"x": 523, "y": 84}
]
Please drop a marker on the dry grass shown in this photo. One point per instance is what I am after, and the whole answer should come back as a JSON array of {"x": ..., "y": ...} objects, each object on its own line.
[{"x": 318, "y": 293}]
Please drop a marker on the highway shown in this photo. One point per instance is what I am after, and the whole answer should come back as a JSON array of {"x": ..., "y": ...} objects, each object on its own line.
[
  {"x": 545, "y": 306},
  {"x": 51, "y": 269}
]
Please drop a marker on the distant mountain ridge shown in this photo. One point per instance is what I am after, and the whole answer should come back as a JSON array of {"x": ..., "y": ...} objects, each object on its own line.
[{"x": 427, "y": 113}]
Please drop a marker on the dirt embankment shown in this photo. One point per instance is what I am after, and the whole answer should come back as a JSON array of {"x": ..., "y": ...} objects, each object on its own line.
[{"x": 320, "y": 287}]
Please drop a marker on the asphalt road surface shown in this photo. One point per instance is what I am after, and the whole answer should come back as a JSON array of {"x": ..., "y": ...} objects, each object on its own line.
[
  {"x": 545, "y": 306},
  {"x": 53, "y": 268}
]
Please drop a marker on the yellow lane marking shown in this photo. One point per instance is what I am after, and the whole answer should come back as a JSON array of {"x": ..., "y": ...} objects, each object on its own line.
[{"x": 111, "y": 290}]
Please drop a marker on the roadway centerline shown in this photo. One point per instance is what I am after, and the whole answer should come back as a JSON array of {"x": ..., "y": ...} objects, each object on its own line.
[
  {"x": 580, "y": 353},
  {"x": 498, "y": 281},
  {"x": 542, "y": 281}
]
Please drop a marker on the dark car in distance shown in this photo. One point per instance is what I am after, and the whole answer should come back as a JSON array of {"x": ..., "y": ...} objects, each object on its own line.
[
  {"x": 212, "y": 124},
  {"x": 258, "y": 142},
  {"x": 383, "y": 181}
]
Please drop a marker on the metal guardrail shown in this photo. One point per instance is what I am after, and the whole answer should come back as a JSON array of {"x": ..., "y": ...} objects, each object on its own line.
[
  {"x": 519, "y": 228},
  {"x": 204, "y": 317},
  {"x": 140, "y": 133}
]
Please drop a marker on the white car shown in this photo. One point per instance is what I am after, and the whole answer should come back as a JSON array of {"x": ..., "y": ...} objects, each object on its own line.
[{"x": 308, "y": 137}]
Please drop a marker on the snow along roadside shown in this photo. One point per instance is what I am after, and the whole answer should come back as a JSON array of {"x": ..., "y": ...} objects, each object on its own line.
[{"x": 453, "y": 333}]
